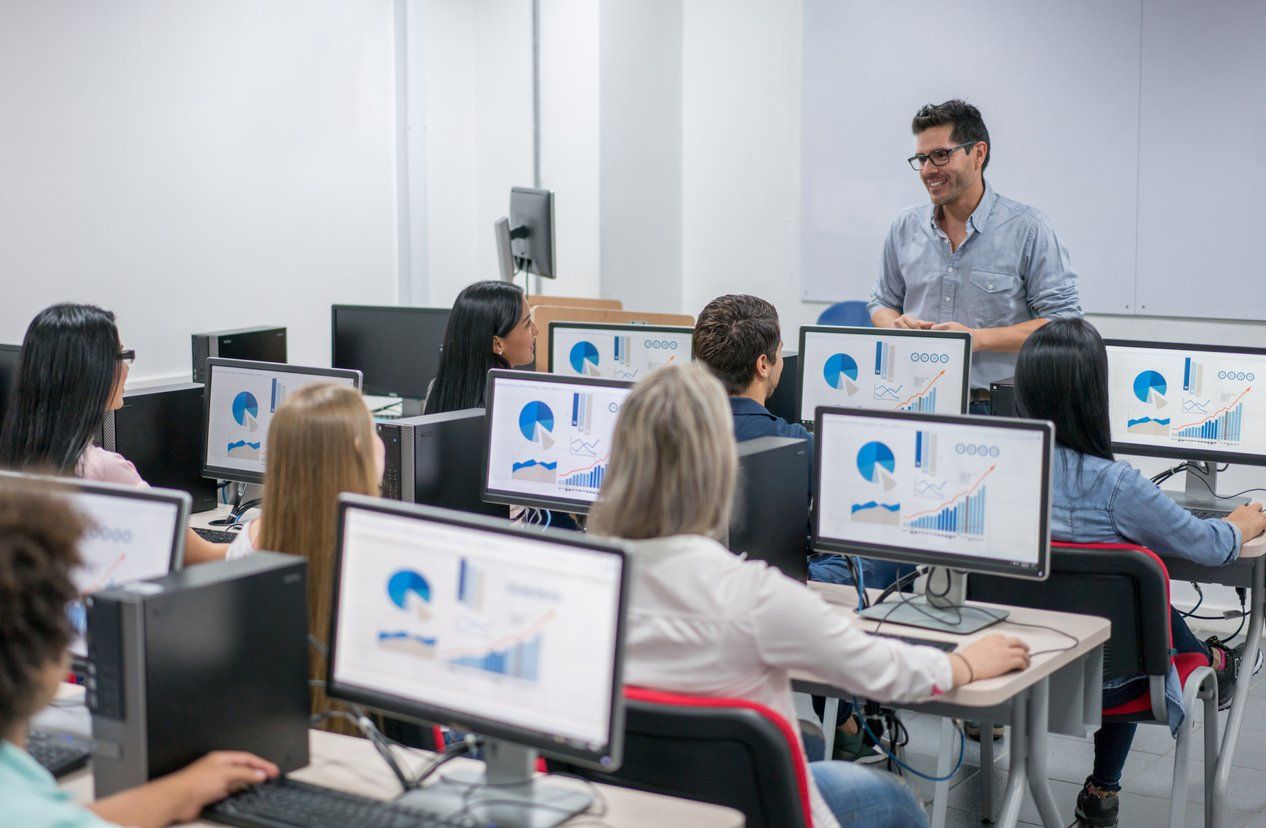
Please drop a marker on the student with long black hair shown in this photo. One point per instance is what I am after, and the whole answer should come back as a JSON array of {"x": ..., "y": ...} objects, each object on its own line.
[
  {"x": 1062, "y": 376},
  {"x": 490, "y": 327},
  {"x": 71, "y": 371}
]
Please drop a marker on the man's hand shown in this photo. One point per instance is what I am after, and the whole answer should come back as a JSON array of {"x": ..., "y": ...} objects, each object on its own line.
[
  {"x": 977, "y": 339},
  {"x": 912, "y": 323}
]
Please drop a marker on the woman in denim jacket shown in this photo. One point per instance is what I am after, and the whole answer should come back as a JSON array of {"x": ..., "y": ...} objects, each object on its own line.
[{"x": 1062, "y": 376}]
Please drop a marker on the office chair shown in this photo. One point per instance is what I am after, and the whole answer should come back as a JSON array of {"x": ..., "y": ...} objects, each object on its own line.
[
  {"x": 1129, "y": 586},
  {"x": 729, "y": 752},
  {"x": 851, "y": 313}
]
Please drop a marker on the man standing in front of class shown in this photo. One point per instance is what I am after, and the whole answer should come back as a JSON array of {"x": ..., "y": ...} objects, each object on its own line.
[{"x": 971, "y": 260}]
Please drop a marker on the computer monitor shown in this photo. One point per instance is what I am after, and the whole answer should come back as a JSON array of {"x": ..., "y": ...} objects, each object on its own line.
[
  {"x": 133, "y": 534},
  {"x": 241, "y": 397},
  {"x": 623, "y": 352},
  {"x": 770, "y": 518},
  {"x": 396, "y": 349},
  {"x": 883, "y": 368},
  {"x": 1201, "y": 403},
  {"x": 8, "y": 375},
  {"x": 549, "y": 438},
  {"x": 532, "y": 230},
  {"x": 513, "y": 634},
  {"x": 956, "y": 492}
]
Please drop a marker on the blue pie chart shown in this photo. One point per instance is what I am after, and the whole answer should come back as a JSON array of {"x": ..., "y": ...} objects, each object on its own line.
[
  {"x": 1146, "y": 382},
  {"x": 407, "y": 582},
  {"x": 534, "y": 419},
  {"x": 874, "y": 456},
  {"x": 583, "y": 353},
  {"x": 243, "y": 404},
  {"x": 837, "y": 367}
]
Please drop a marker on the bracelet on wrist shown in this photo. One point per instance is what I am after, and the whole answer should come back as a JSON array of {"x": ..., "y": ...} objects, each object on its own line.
[{"x": 971, "y": 674}]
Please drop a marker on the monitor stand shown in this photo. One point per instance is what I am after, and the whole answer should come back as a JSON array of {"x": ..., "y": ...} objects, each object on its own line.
[
  {"x": 940, "y": 608},
  {"x": 508, "y": 793},
  {"x": 1199, "y": 496},
  {"x": 409, "y": 407}
]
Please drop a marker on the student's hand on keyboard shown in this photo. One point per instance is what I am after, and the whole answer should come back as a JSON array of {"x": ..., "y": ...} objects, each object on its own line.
[
  {"x": 988, "y": 657},
  {"x": 1249, "y": 518},
  {"x": 212, "y": 778}
]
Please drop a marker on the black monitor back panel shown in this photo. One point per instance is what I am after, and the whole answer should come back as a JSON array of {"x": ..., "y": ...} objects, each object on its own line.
[
  {"x": 770, "y": 518},
  {"x": 785, "y": 401},
  {"x": 8, "y": 374}
]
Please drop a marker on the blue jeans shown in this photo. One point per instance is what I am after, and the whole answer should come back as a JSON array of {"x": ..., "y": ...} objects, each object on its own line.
[
  {"x": 1113, "y": 739},
  {"x": 863, "y": 796},
  {"x": 833, "y": 569}
]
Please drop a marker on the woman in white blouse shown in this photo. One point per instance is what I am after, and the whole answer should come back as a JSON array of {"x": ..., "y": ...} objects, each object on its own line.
[{"x": 704, "y": 622}]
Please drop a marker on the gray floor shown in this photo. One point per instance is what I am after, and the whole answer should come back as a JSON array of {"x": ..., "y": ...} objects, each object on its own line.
[{"x": 1145, "y": 786}]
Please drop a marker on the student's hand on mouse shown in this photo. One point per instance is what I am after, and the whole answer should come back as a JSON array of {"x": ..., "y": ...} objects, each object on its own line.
[
  {"x": 988, "y": 657},
  {"x": 1250, "y": 519},
  {"x": 214, "y": 777}
]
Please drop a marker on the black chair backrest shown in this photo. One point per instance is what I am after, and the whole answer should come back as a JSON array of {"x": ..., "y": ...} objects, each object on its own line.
[
  {"x": 1127, "y": 585},
  {"x": 729, "y": 756}
]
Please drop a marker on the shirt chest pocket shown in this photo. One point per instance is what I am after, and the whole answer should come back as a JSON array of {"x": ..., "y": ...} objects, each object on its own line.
[{"x": 993, "y": 299}]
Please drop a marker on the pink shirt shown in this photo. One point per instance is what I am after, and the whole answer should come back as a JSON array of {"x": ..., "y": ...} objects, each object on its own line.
[{"x": 103, "y": 466}]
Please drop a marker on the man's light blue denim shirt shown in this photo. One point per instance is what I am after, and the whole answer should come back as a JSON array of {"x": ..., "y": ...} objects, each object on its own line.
[{"x": 1011, "y": 268}]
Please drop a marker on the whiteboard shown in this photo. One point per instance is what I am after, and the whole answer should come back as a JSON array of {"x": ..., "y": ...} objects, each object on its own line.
[
  {"x": 1201, "y": 169},
  {"x": 197, "y": 166},
  {"x": 1057, "y": 83}
]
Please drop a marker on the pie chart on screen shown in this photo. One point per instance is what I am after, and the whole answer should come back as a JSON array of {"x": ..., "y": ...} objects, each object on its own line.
[
  {"x": 876, "y": 463},
  {"x": 1150, "y": 387},
  {"x": 409, "y": 590},
  {"x": 536, "y": 421},
  {"x": 840, "y": 372},
  {"x": 246, "y": 410},
  {"x": 584, "y": 358}
]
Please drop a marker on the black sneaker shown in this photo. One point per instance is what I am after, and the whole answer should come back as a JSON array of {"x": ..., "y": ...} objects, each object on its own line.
[
  {"x": 1230, "y": 670},
  {"x": 1098, "y": 810}
]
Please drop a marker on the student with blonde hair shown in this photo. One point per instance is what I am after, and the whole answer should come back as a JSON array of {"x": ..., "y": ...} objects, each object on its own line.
[
  {"x": 704, "y": 622},
  {"x": 321, "y": 442}
]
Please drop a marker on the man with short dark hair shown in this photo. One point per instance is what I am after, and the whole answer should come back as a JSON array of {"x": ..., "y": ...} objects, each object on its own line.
[
  {"x": 971, "y": 260},
  {"x": 738, "y": 338}
]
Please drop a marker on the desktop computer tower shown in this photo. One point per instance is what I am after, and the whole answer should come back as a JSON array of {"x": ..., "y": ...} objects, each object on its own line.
[
  {"x": 160, "y": 430},
  {"x": 213, "y": 657},
  {"x": 262, "y": 344},
  {"x": 437, "y": 460},
  {"x": 1002, "y": 398},
  {"x": 770, "y": 518},
  {"x": 785, "y": 401}
]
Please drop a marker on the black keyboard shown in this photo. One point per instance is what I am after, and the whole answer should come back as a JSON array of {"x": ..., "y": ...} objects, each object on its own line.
[
  {"x": 945, "y": 646},
  {"x": 285, "y": 803},
  {"x": 1205, "y": 514},
  {"x": 216, "y": 535},
  {"x": 57, "y": 753}
]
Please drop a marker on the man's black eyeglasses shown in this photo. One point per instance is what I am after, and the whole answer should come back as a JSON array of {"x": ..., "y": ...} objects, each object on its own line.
[{"x": 938, "y": 157}]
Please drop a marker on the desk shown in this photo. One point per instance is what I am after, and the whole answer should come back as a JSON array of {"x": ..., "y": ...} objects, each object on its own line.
[
  {"x": 350, "y": 764},
  {"x": 1249, "y": 571},
  {"x": 1023, "y": 699}
]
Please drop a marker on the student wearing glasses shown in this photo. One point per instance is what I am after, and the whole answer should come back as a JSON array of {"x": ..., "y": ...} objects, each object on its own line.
[
  {"x": 72, "y": 369},
  {"x": 971, "y": 260}
]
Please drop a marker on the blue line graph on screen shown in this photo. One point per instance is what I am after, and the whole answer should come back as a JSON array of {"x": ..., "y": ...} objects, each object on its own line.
[
  {"x": 888, "y": 392},
  {"x": 517, "y": 655},
  {"x": 538, "y": 471},
  {"x": 584, "y": 448}
]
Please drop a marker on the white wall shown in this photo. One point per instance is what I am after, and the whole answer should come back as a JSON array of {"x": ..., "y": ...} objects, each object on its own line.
[{"x": 196, "y": 166}]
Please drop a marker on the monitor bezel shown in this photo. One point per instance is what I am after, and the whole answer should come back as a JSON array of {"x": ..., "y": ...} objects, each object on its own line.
[
  {"x": 1037, "y": 571},
  {"x": 608, "y": 758},
  {"x": 173, "y": 497},
  {"x": 875, "y": 332},
  {"x": 366, "y": 387},
  {"x": 503, "y": 496},
  {"x": 631, "y": 327},
  {"x": 1165, "y": 452},
  {"x": 239, "y": 475}
]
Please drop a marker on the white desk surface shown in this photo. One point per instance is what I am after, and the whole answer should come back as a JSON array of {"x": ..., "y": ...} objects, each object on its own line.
[
  {"x": 352, "y": 765},
  {"x": 1088, "y": 630},
  {"x": 1254, "y": 548}
]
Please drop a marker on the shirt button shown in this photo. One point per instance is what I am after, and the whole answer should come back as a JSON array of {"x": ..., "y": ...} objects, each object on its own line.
[
  {"x": 991, "y": 286},
  {"x": 947, "y": 300}
]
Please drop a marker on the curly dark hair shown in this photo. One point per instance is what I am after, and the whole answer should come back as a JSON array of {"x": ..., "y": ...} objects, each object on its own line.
[
  {"x": 731, "y": 333},
  {"x": 39, "y": 546}
]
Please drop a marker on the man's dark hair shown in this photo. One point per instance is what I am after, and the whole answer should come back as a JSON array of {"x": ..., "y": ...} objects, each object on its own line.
[
  {"x": 731, "y": 334},
  {"x": 39, "y": 537},
  {"x": 968, "y": 125}
]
